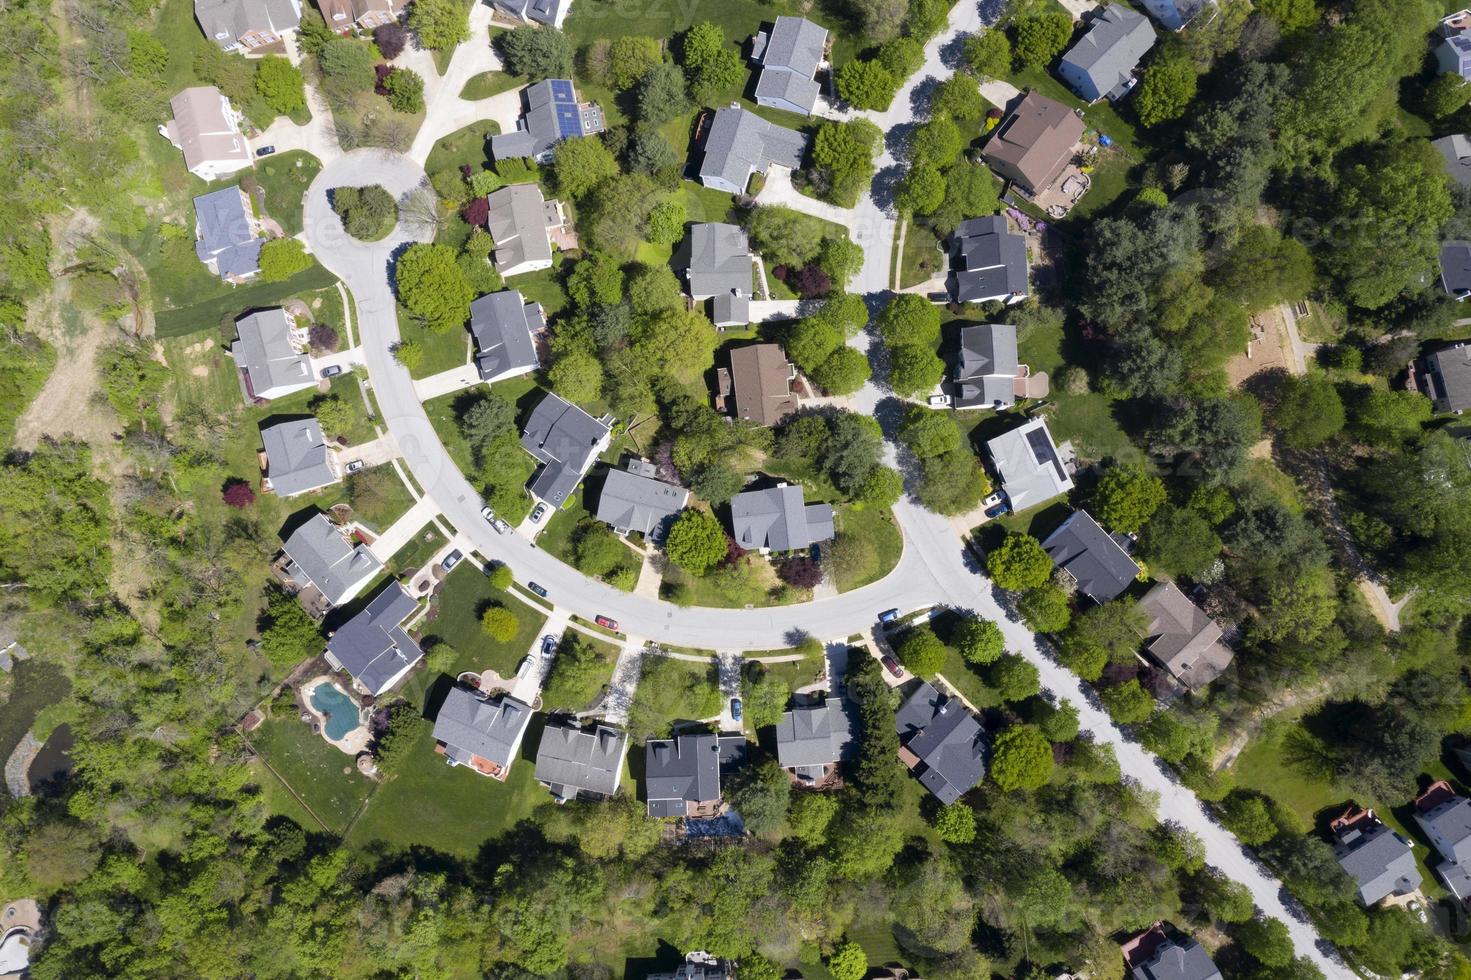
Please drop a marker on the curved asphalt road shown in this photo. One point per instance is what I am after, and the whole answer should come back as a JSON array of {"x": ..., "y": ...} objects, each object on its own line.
[{"x": 934, "y": 568}]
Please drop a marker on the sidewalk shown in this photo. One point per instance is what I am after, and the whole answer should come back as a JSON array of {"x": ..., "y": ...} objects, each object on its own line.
[
  {"x": 374, "y": 452},
  {"x": 392, "y": 540},
  {"x": 447, "y": 382}
]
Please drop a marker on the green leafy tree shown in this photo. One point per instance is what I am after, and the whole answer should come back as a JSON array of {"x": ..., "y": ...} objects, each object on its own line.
[
  {"x": 929, "y": 433},
  {"x": 1227, "y": 900},
  {"x": 1019, "y": 563},
  {"x": 287, "y": 634},
  {"x": 679, "y": 343},
  {"x": 914, "y": 370},
  {"x": 1309, "y": 411},
  {"x": 1045, "y": 609},
  {"x": 842, "y": 159},
  {"x": 630, "y": 57},
  {"x": 1178, "y": 541},
  {"x": 578, "y": 377},
  {"x": 951, "y": 483},
  {"x": 1014, "y": 677},
  {"x": 1168, "y": 88},
  {"x": 334, "y": 414},
  {"x": 955, "y": 823},
  {"x": 921, "y": 191},
  {"x": 1040, "y": 36},
  {"x": 989, "y": 54},
  {"x": 1291, "y": 15},
  {"x": 432, "y": 287},
  {"x": 666, "y": 222},
  {"x": 596, "y": 281},
  {"x": 440, "y": 24},
  {"x": 758, "y": 967},
  {"x": 921, "y": 651},
  {"x": 959, "y": 96},
  {"x": 881, "y": 488},
  {"x": 1267, "y": 940},
  {"x": 1446, "y": 95},
  {"x": 978, "y": 640},
  {"x": 536, "y": 52},
  {"x": 409, "y": 353},
  {"x": 910, "y": 319},
  {"x": 368, "y": 213},
  {"x": 133, "y": 383},
  {"x": 1128, "y": 703},
  {"x": 810, "y": 815},
  {"x": 499, "y": 623},
  {"x": 1247, "y": 816},
  {"x": 661, "y": 94},
  {"x": 579, "y": 165},
  {"x": 653, "y": 289},
  {"x": 1127, "y": 496},
  {"x": 406, "y": 726},
  {"x": 281, "y": 84},
  {"x": 501, "y": 577},
  {"x": 1021, "y": 759},
  {"x": 347, "y": 67},
  {"x": 866, "y": 85},
  {"x": 577, "y": 674},
  {"x": 715, "y": 69},
  {"x": 848, "y": 962},
  {"x": 282, "y": 258},
  {"x": 696, "y": 542},
  {"x": 842, "y": 372},
  {"x": 405, "y": 90},
  {"x": 1265, "y": 268},
  {"x": 761, "y": 795}
]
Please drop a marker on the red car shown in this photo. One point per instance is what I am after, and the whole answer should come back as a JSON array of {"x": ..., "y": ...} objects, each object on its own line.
[
  {"x": 892, "y": 666},
  {"x": 607, "y": 624}
]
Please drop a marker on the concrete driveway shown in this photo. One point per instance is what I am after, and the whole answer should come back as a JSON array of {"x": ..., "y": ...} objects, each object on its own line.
[
  {"x": 447, "y": 382},
  {"x": 529, "y": 681}
]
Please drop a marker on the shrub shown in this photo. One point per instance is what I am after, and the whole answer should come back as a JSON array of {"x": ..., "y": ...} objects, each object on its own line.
[
  {"x": 979, "y": 640},
  {"x": 500, "y": 623},
  {"x": 1019, "y": 563},
  {"x": 323, "y": 338},
  {"x": 921, "y": 651},
  {"x": 802, "y": 572},
  {"x": 955, "y": 823},
  {"x": 501, "y": 577},
  {"x": 367, "y": 213},
  {"x": 391, "y": 39},
  {"x": 696, "y": 542},
  {"x": 1021, "y": 759},
  {"x": 282, "y": 258},
  {"x": 237, "y": 493}
]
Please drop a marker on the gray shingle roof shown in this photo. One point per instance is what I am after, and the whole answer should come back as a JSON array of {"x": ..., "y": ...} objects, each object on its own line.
[
  {"x": 373, "y": 646},
  {"x": 986, "y": 374},
  {"x": 570, "y": 760},
  {"x": 1102, "y": 569},
  {"x": 541, "y": 11},
  {"x": 1172, "y": 961},
  {"x": 719, "y": 260},
  {"x": 226, "y": 234},
  {"x": 946, "y": 738},
  {"x": 1451, "y": 822},
  {"x": 989, "y": 261},
  {"x": 296, "y": 457},
  {"x": 518, "y": 225},
  {"x": 1110, "y": 51},
  {"x": 552, "y": 114},
  {"x": 1449, "y": 373},
  {"x": 790, "y": 56},
  {"x": 567, "y": 440},
  {"x": 225, "y": 21},
  {"x": 634, "y": 500},
  {"x": 779, "y": 519},
  {"x": 1027, "y": 461},
  {"x": 740, "y": 142},
  {"x": 471, "y": 727},
  {"x": 502, "y": 324},
  {"x": 1379, "y": 861},
  {"x": 1182, "y": 638},
  {"x": 266, "y": 354},
  {"x": 813, "y": 736},
  {"x": 1456, "y": 149},
  {"x": 322, "y": 556},
  {"x": 679, "y": 771}
]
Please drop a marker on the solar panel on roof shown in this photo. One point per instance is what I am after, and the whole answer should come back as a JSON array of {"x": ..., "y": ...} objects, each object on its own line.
[
  {"x": 562, "y": 90},
  {"x": 569, "y": 123}
]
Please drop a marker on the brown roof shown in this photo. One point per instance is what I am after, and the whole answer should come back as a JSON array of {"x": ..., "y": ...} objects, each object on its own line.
[
  {"x": 1035, "y": 142},
  {"x": 201, "y": 128},
  {"x": 1184, "y": 640},
  {"x": 762, "y": 379}
]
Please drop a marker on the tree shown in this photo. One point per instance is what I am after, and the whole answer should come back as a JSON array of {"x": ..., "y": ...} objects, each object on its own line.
[
  {"x": 785, "y": 236},
  {"x": 537, "y": 52},
  {"x": 1178, "y": 541},
  {"x": 347, "y": 67},
  {"x": 1267, "y": 940},
  {"x": 921, "y": 191},
  {"x": 577, "y": 674},
  {"x": 409, "y": 353},
  {"x": 597, "y": 280},
  {"x": 801, "y": 572},
  {"x": 881, "y": 488},
  {"x": 1128, "y": 703},
  {"x": 758, "y": 967},
  {"x": 1040, "y": 36},
  {"x": 281, "y": 84},
  {"x": 1386, "y": 417},
  {"x": 368, "y": 213},
  {"x": 661, "y": 94},
  {"x": 237, "y": 494},
  {"x": 921, "y": 651},
  {"x": 929, "y": 433},
  {"x": 715, "y": 68},
  {"x": 432, "y": 287},
  {"x": 696, "y": 542},
  {"x": 1446, "y": 95},
  {"x": 406, "y": 726},
  {"x": 666, "y": 222},
  {"x": 577, "y": 376},
  {"x": 579, "y": 165},
  {"x": 499, "y": 623},
  {"x": 978, "y": 640},
  {"x": 866, "y": 85},
  {"x": 951, "y": 483},
  {"x": 650, "y": 153},
  {"x": 989, "y": 54},
  {"x": 848, "y": 962},
  {"x": 1264, "y": 268},
  {"x": 405, "y": 90},
  {"x": 653, "y": 289},
  {"x": 391, "y": 39},
  {"x": 333, "y": 414},
  {"x": 1014, "y": 677},
  {"x": 1168, "y": 88},
  {"x": 1247, "y": 816},
  {"x": 1045, "y": 609},
  {"x": 716, "y": 483},
  {"x": 842, "y": 159},
  {"x": 1291, "y": 15},
  {"x": 680, "y": 343},
  {"x": 810, "y": 815},
  {"x": 287, "y": 634},
  {"x": 842, "y": 372},
  {"x": 910, "y": 319},
  {"x": 1127, "y": 496},
  {"x": 914, "y": 370},
  {"x": 959, "y": 97},
  {"x": 630, "y": 57},
  {"x": 1021, "y": 759},
  {"x": 1019, "y": 563},
  {"x": 282, "y": 258},
  {"x": 440, "y": 24},
  {"x": 955, "y": 823},
  {"x": 761, "y": 794},
  {"x": 1309, "y": 411}
]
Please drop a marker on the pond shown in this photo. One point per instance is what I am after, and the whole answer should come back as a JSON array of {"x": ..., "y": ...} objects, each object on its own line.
[
  {"x": 340, "y": 710},
  {"x": 52, "y": 764},
  {"x": 37, "y": 685}
]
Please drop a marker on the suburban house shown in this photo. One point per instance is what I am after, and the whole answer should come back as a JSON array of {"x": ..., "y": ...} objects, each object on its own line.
[
  {"x": 987, "y": 372},
  {"x": 1175, "y": 15},
  {"x": 635, "y": 500},
  {"x": 1034, "y": 143},
  {"x": 682, "y": 774},
  {"x": 567, "y": 441},
  {"x": 941, "y": 743},
  {"x": 482, "y": 733},
  {"x": 248, "y": 24},
  {"x": 269, "y": 355},
  {"x": 549, "y": 13},
  {"x": 778, "y": 519},
  {"x": 1446, "y": 820},
  {"x": 207, "y": 128},
  {"x": 1456, "y": 149},
  {"x": 718, "y": 267},
  {"x": 1446, "y": 378},
  {"x": 1455, "y": 268},
  {"x": 21, "y": 933},
  {"x": 739, "y": 143},
  {"x": 758, "y": 385},
  {"x": 226, "y": 234},
  {"x": 503, "y": 325},
  {"x": 1154, "y": 955},
  {"x": 1029, "y": 464},
  {"x": 297, "y": 459},
  {"x": 520, "y": 223},
  {"x": 1453, "y": 49},
  {"x": 1091, "y": 557},
  {"x": 326, "y": 564},
  {"x": 1101, "y": 64},
  {"x": 789, "y": 58},
  {"x": 812, "y": 740},
  {"x": 551, "y": 114},
  {"x": 578, "y": 764},
  {"x": 988, "y": 262},
  {"x": 373, "y": 646},
  {"x": 1380, "y": 861},
  {"x": 698, "y": 965},
  {"x": 344, "y": 15},
  {"x": 1181, "y": 638}
]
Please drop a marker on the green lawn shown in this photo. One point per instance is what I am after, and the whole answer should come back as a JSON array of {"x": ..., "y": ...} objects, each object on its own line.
[
  {"x": 420, "y": 549},
  {"x": 544, "y": 286},
  {"x": 466, "y": 594},
  {"x": 377, "y": 496},
  {"x": 703, "y": 203},
  {"x": 470, "y": 145},
  {"x": 186, "y": 298},
  {"x": 593, "y": 19},
  {"x": 326, "y": 780},
  {"x": 442, "y": 351},
  {"x": 921, "y": 259},
  {"x": 283, "y": 181},
  {"x": 1108, "y": 182},
  {"x": 488, "y": 83},
  {"x": 795, "y": 673},
  {"x": 445, "y": 419},
  {"x": 561, "y": 530},
  {"x": 957, "y": 671},
  {"x": 881, "y": 534},
  {"x": 1088, "y": 419},
  {"x": 278, "y": 799}
]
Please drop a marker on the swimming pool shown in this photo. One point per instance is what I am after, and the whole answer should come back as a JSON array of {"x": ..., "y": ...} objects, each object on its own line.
[{"x": 339, "y": 710}]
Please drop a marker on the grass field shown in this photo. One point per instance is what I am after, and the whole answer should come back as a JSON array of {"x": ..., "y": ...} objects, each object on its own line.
[
  {"x": 422, "y": 547},
  {"x": 470, "y": 145},
  {"x": 561, "y": 531},
  {"x": 187, "y": 300},
  {"x": 1088, "y": 420},
  {"x": 311, "y": 767},
  {"x": 488, "y": 83},
  {"x": 543, "y": 286},
  {"x": 881, "y": 534},
  {"x": 467, "y": 594},
  {"x": 921, "y": 258},
  {"x": 283, "y": 181},
  {"x": 377, "y": 496},
  {"x": 578, "y": 697},
  {"x": 442, "y": 351}
]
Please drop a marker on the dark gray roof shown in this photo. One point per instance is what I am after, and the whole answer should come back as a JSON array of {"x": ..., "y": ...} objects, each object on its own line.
[
  {"x": 720, "y": 260},
  {"x": 988, "y": 261},
  {"x": 502, "y": 324},
  {"x": 1456, "y": 149},
  {"x": 1102, "y": 569},
  {"x": 567, "y": 440},
  {"x": 473, "y": 727},
  {"x": 1449, "y": 371},
  {"x": 946, "y": 738},
  {"x": 518, "y": 223},
  {"x": 541, "y": 11},
  {"x": 1172, "y": 961},
  {"x": 790, "y": 56},
  {"x": 739, "y": 142},
  {"x": 730, "y": 310},
  {"x": 634, "y": 500},
  {"x": 321, "y": 555},
  {"x": 296, "y": 457},
  {"x": 373, "y": 646},
  {"x": 1455, "y": 268},
  {"x": 681, "y": 770},
  {"x": 985, "y": 375},
  {"x": 225, "y": 233},
  {"x": 570, "y": 760},
  {"x": 1027, "y": 461},
  {"x": 810, "y": 737},
  {"x": 224, "y": 21},
  {"x": 266, "y": 354},
  {"x": 1448, "y": 825},
  {"x": 1110, "y": 51},
  {"x": 777, "y": 518},
  {"x": 552, "y": 114},
  {"x": 1379, "y": 861}
]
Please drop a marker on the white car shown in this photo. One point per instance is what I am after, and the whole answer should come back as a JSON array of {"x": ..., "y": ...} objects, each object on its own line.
[
  {"x": 939, "y": 401},
  {"x": 991, "y": 501},
  {"x": 487, "y": 513},
  {"x": 500, "y": 526}
]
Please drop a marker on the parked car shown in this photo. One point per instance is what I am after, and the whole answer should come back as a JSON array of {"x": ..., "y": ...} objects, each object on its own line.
[
  {"x": 265, "y": 151},
  {"x": 537, "y": 589},
  {"x": 500, "y": 526},
  {"x": 537, "y": 513},
  {"x": 938, "y": 401},
  {"x": 892, "y": 666},
  {"x": 487, "y": 513},
  {"x": 998, "y": 510},
  {"x": 331, "y": 370},
  {"x": 548, "y": 646},
  {"x": 1419, "y": 911},
  {"x": 355, "y": 465},
  {"x": 452, "y": 559},
  {"x": 606, "y": 623},
  {"x": 888, "y": 616},
  {"x": 735, "y": 709},
  {"x": 992, "y": 500}
]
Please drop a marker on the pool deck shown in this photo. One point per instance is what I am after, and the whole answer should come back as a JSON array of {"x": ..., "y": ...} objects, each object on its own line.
[{"x": 353, "y": 742}]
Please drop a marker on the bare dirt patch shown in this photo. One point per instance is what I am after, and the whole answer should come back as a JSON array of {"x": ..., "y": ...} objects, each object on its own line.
[{"x": 1268, "y": 349}]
